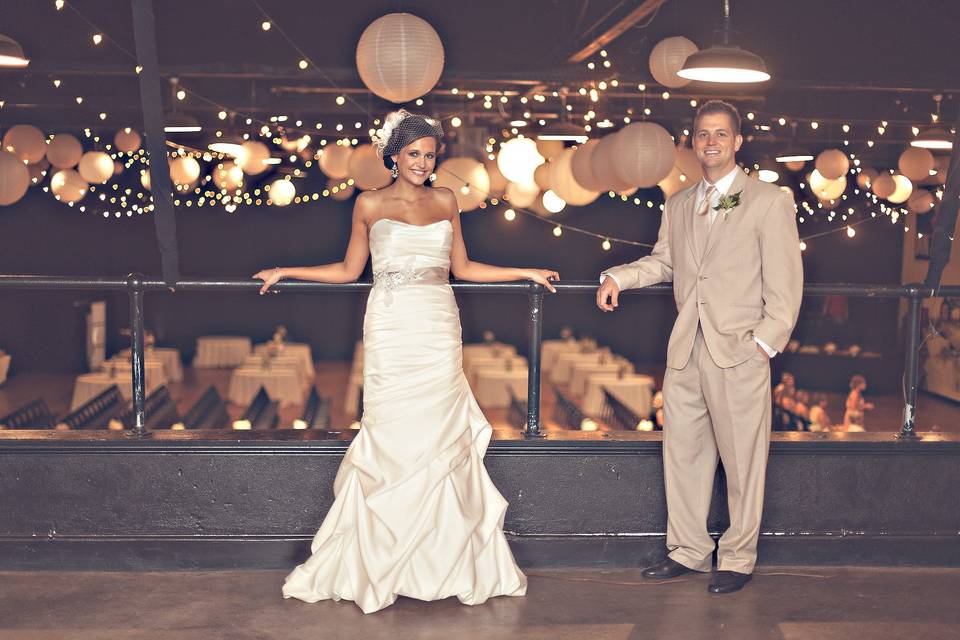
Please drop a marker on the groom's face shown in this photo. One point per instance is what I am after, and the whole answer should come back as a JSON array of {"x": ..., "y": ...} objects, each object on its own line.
[{"x": 715, "y": 142}]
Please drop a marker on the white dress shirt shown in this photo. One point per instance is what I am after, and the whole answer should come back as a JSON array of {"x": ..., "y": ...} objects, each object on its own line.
[{"x": 722, "y": 186}]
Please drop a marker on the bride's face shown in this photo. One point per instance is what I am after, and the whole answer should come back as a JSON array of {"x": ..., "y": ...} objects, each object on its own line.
[{"x": 417, "y": 160}]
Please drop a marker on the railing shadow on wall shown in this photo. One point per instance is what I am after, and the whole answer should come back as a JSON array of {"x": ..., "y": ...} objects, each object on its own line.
[{"x": 137, "y": 286}]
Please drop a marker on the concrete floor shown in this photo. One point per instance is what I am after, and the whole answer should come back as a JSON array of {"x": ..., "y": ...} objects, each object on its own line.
[{"x": 824, "y": 603}]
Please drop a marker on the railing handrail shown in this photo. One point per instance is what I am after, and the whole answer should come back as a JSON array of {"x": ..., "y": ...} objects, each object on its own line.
[{"x": 136, "y": 285}]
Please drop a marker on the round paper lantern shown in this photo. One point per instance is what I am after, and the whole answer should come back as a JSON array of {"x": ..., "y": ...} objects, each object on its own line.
[
  {"x": 582, "y": 167},
  {"x": 340, "y": 190},
  {"x": 628, "y": 192},
  {"x": 521, "y": 195},
  {"x": 127, "y": 140},
  {"x": 64, "y": 151},
  {"x": 941, "y": 167},
  {"x": 644, "y": 154},
  {"x": 117, "y": 167},
  {"x": 14, "y": 178},
  {"x": 689, "y": 165},
  {"x": 866, "y": 177},
  {"x": 228, "y": 176},
  {"x": 399, "y": 57},
  {"x": 498, "y": 183},
  {"x": 603, "y": 162},
  {"x": 550, "y": 149},
  {"x": 795, "y": 165},
  {"x": 921, "y": 201},
  {"x": 335, "y": 160},
  {"x": 552, "y": 202},
  {"x": 68, "y": 186},
  {"x": 667, "y": 57},
  {"x": 96, "y": 167},
  {"x": 26, "y": 142},
  {"x": 184, "y": 171},
  {"x": 832, "y": 163},
  {"x": 830, "y": 189},
  {"x": 541, "y": 177},
  {"x": 37, "y": 171},
  {"x": 518, "y": 159},
  {"x": 902, "y": 191},
  {"x": 884, "y": 185},
  {"x": 565, "y": 186},
  {"x": 252, "y": 157},
  {"x": 145, "y": 179},
  {"x": 366, "y": 168},
  {"x": 282, "y": 192},
  {"x": 467, "y": 179},
  {"x": 916, "y": 163},
  {"x": 672, "y": 183}
]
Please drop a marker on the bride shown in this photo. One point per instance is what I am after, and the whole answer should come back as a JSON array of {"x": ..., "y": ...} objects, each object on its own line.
[{"x": 415, "y": 513}]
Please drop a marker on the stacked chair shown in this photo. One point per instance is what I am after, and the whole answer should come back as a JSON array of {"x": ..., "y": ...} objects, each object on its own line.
[{"x": 33, "y": 415}]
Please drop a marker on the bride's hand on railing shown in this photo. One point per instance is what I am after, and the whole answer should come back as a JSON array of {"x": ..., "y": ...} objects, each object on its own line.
[
  {"x": 270, "y": 277},
  {"x": 542, "y": 276}
]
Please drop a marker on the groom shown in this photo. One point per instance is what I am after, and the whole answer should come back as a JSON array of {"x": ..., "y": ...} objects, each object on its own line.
[{"x": 729, "y": 244}]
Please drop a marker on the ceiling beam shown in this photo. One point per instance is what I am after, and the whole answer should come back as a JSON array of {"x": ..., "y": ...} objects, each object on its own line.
[{"x": 616, "y": 30}]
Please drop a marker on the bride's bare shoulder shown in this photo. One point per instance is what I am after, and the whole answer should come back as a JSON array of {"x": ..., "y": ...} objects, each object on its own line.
[{"x": 445, "y": 199}]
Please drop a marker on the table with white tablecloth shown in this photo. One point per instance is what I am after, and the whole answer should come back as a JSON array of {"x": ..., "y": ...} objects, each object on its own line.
[
  {"x": 282, "y": 384},
  {"x": 299, "y": 349},
  {"x": 221, "y": 351},
  {"x": 168, "y": 357},
  {"x": 493, "y": 386},
  {"x": 582, "y": 371},
  {"x": 89, "y": 385},
  {"x": 152, "y": 369},
  {"x": 563, "y": 369},
  {"x": 283, "y": 360},
  {"x": 486, "y": 350},
  {"x": 497, "y": 363},
  {"x": 635, "y": 391},
  {"x": 550, "y": 350}
]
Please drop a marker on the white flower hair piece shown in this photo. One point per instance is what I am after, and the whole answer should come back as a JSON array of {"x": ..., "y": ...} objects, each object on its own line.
[{"x": 382, "y": 136}]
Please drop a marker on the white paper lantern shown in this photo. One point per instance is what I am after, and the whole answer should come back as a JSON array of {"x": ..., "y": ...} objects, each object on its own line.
[
  {"x": 667, "y": 57},
  {"x": 26, "y": 142},
  {"x": 400, "y": 57},
  {"x": 603, "y": 162},
  {"x": 335, "y": 160},
  {"x": 127, "y": 140},
  {"x": 550, "y": 149},
  {"x": 832, "y": 163},
  {"x": 941, "y": 167},
  {"x": 466, "y": 178},
  {"x": 340, "y": 190},
  {"x": 145, "y": 179},
  {"x": 366, "y": 168},
  {"x": 14, "y": 178},
  {"x": 916, "y": 163},
  {"x": 117, "y": 167},
  {"x": 902, "y": 191},
  {"x": 689, "y": 165},
  {"x": 282, "y": 192},
  {"x": 582, "y": 167},
  {"x": 826, "y": 189},
  {"x": 866, "y": 177},
  {"x": 644, "y": 154},
  {"x": 228, "y": 176},
  {"x": 521, "y": 195},
  {"x": 672, "y": 183},
  {"x": 64, "y": 151},
  {"x": 884, "y": 185},
  {"x": 552, "y": 202},
  {"x": 541, "y": 177},
  {"x": 518, "y": 159},
  {"x": 184, "y": 171},
  {"x": 565, "y": 186},
  {"x": 921, "y": 201},
  {"x": 68, "y": 186},
  {"x": 498, "y": 182},
  {"x": 96, "y": 167},
  {"x": 252, "y": 157}
]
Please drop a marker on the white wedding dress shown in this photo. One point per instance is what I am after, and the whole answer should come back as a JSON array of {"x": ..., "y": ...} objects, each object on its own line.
[{"x": 415, "y": 513}]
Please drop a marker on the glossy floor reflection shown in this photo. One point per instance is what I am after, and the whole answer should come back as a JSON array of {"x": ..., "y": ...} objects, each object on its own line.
[{"x": 822, "y": 603}]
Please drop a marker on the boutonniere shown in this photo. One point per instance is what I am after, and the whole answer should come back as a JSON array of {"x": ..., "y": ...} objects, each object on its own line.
[{"x": 728, "y": 203}]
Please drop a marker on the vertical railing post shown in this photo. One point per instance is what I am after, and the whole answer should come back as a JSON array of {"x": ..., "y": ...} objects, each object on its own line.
[
  {"x": 533, "y": 369},
  {"x": 912, "y": 364},
  {"x": 135, "y": 291}
]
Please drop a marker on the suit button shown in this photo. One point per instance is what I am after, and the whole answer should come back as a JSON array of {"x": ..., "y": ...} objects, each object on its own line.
[{"x": 701, "y": 277}]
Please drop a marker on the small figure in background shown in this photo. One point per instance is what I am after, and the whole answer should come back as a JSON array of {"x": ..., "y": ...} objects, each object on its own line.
[
  {"x": 657, "y": 406},
  {"x": 801, "y": 406},
  {"x": 786, "y": 389},
  {"x": 856, "y": 405},
  {"x": 819, "y": 418}
]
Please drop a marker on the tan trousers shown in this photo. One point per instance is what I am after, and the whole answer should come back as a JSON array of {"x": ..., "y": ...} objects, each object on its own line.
[{"x": 709, "y": 411}]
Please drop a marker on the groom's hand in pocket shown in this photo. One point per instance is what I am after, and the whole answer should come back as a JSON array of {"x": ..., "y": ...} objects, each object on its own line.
[{"x": 608, "y": 294}]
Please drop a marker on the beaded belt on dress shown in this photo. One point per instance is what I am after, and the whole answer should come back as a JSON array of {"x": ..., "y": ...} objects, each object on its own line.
[{"x": 389, "y": 281}]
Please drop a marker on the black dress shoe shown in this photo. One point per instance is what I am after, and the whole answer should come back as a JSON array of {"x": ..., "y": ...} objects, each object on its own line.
[
  {"x": 667, "y": 569},
  {"x": 728, "y": 581}
]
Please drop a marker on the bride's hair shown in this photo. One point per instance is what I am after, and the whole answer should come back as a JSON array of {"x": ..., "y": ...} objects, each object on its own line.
[{"x": 400, "y": 128}]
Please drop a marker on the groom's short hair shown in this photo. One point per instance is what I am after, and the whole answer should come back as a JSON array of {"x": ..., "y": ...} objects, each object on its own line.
[{"x": 719, "y": 106}]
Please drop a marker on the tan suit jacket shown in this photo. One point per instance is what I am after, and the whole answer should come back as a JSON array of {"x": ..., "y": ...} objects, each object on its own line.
[{"x": 748, "y": 282}]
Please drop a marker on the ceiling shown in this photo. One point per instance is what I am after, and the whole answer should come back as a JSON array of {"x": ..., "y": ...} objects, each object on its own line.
[{"x": 856, "y": 62}]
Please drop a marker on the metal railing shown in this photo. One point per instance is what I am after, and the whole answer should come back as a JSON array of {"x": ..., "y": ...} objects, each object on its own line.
[{"x": 137, "y": 285}]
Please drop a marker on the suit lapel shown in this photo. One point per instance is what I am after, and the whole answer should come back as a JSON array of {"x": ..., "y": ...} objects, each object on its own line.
[
  {"x": 720, "y": 225},
  {"x": 687, "y": 216}
]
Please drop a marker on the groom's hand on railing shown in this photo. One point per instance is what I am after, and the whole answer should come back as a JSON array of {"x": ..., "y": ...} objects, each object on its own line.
[{"x": 608, "y": 294}]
